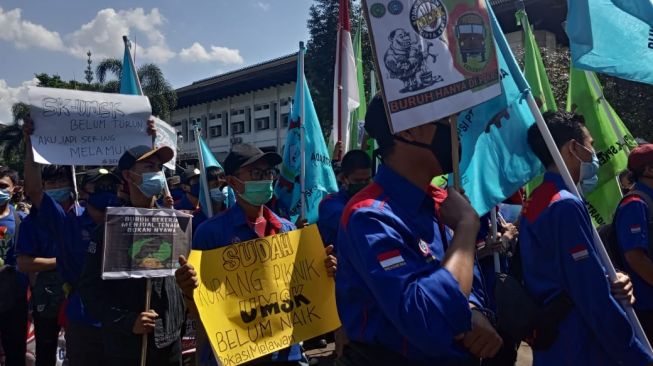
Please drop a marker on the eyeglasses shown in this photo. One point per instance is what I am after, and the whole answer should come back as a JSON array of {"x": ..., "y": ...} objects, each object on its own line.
[{"x": 259, "y": 174}]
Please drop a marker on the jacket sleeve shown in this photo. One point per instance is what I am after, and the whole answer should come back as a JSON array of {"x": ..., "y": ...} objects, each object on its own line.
[
  {"x": 587, "y": 285},
  {"x": 424, "y": 302},
  {"x": 328, "y": 224},
  {"x": 95, "y": 294},
  {"x": 632, "y": 226}
]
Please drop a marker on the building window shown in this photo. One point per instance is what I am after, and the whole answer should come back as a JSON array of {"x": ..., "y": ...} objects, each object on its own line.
[
  {"x": 261, "y": 107},
  {"x": 235, "y": 112},
  {"x": 284, "y": 102},
  {"x": 284, "y": 119},
  {"x": 176, "y": 124},
  {"x": 216, "y": 131},
  {"x": 237, "y": 128},
  {"x": 262, "y": 123}
]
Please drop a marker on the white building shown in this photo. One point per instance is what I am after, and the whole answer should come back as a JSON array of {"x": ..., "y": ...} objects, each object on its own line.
[{"x": 250, "y": 105}]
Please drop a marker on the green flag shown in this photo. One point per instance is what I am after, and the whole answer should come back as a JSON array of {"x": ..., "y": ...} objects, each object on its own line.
[
  {"x": 534, "y": 67},
  {"x": 358, "y": 115},
  {"x": 612, "y": 140}
]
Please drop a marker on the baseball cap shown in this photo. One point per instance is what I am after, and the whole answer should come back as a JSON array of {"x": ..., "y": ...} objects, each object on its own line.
[
  {"x": 245, "y": 154},
  {"x": 142, "y": 152},
  {"x": 188, "y": 174},
  {"x": 640, "y": 157},
  {"x": 376, "y": 122},
  {"x": 93, "y": 175}
]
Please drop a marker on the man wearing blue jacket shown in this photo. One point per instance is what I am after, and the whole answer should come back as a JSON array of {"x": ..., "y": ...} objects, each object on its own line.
[
  {"x": 559, "y": 258},
  {"x": 406, "y": 287}
]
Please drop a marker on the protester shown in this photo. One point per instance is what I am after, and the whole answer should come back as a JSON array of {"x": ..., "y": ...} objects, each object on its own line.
[
  {"x": 633, "y": 227},
  {"x": 13, "y": 286},
  {"x": 561, "y": 267},
  {"x": 191, "y": 185},
  {"x": 625, "y": 182},
  {"x": 407, "y": 291},
  {"x": 249, "y": 172},
  {"x": 217, "y": 186},
  {"x": 120, "y": 304},
  {"x": 37, "y": 252},
  {"x": 177, "y": 193},
  {"x": 355, "y": 174}
]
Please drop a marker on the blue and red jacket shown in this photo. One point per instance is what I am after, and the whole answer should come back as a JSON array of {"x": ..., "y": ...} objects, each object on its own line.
[
  {"x": 231, "y": 227},
  {"x": 631, "y": 224},
  {"x": 330, "y": 212},
  {"x": 558, "y": 253},
  {"x": 391, "y": 289}
]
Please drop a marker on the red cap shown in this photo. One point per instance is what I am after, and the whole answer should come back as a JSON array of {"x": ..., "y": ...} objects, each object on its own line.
[{"x": 640, "y": 157}]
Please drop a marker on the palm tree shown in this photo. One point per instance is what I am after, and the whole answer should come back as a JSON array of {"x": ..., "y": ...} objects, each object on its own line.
[
  {"x": 11, "y": 138},
  {"x": 163, "y": 97}
]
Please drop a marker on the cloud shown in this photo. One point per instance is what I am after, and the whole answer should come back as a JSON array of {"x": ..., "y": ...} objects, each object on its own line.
[
  {"x": 263, "y": 5},
  {"x": 25, "y": 34},
  {"x": 197, "y": 53},
  {"x": 103, "y": 35},
  {"x": 9, "y": 96}
]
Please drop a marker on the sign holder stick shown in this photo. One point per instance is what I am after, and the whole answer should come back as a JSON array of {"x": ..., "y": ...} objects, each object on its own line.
[
  {"x": 148, "y": 296},
  {"x": 455, "y": 156}
]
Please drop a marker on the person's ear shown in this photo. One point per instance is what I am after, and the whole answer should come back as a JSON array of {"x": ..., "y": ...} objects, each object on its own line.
[
  {"x": 126, "y": 175},
  {"x": 235, "y": 184}
]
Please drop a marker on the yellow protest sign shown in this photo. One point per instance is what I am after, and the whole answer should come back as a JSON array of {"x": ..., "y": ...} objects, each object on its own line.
[{"x": 263, "y": 295}]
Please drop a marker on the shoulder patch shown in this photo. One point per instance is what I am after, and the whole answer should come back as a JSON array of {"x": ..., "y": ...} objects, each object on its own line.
[
  {"x": 579, "y": 252},
  {"x": 542, "y": 197},
  {"x": 368, "y": 197},
  {"x": 391, "y": 259}
]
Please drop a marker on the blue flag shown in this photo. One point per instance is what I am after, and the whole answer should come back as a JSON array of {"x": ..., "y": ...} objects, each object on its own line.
[
  {"x": 606, "y": 37},
  {"x": 128, "y": 77},
  {"x": 209, "y": 162},
  {"x": 320, "y": 179},
  {"x": 496, "y": 160}
]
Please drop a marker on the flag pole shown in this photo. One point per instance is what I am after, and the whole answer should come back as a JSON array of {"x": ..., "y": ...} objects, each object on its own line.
[
  {"x": 339, "y": 52},
  {"x": 604, "y": 104},
  {"x": 600, "y": 248},
  {"x": 495, "y": 237},
  {"x": 302, "y": 130},
  {"x": 205, "y": 183}
]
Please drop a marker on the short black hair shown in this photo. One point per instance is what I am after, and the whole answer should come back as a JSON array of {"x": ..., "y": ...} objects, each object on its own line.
[
  {"x": 354, "y": 160},
  {"x": 213, "y": 173},
  {"x": 8, "y": 172},
  {"x": 378, "y": 127},
  {"x": 52, "y": 172},
  {"x": 564, "y": 127}
]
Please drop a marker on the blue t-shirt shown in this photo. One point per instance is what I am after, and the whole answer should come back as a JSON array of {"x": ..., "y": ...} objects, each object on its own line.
[
  {"x": 558, "y": 254},
  {"x": 330, "y": 211},
  {"x": 632, "y": 229},
  {"x": 391, "y": 288},
  {"x": 71, "y": 232},
  {"x": 34, "y": 239},
  {"x": 7, "y": 234},
  {"x": 231, "y": 227}
]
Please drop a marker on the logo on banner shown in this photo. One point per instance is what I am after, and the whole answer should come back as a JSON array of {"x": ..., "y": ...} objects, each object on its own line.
[{"x": 429, "y": 18}]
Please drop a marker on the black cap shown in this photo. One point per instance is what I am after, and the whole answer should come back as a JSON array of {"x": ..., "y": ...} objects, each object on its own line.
[
  {"x": 188, "y": 174},
  {"x": 245, "y": 154},
  {"x": 93, "y": 175},
  {"x": 376, "y": 122},
  {"x": 140, "y": 153}
]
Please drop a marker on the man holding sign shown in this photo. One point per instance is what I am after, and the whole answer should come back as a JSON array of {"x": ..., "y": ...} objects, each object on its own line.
[
  {"x": 407, "y": 290},
  {"x": 249, "y": 172},
  {"x": 119, "y": 304}
]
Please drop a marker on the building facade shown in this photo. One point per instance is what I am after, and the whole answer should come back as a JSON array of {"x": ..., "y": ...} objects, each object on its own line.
[{"x": 250, "y": 105}]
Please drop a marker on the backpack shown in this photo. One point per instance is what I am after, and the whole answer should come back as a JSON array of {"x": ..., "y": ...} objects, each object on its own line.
[{"x": 608, "y": 232}]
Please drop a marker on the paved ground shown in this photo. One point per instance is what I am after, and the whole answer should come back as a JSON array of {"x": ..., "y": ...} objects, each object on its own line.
[{"x": 326, "y": 356}]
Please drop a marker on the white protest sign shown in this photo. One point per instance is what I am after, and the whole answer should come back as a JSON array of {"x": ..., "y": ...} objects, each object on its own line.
[
  {"x": 166, "y": 135},
  {"x": 73, "y": 127},
  {"x": 434, "y": 57}
]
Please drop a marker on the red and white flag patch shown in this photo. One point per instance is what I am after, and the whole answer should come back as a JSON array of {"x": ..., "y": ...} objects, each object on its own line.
[
  {"x": 635, "y": 229},
  {"x": 391, "y": 259},
  {"x": 579, "y": 252}
]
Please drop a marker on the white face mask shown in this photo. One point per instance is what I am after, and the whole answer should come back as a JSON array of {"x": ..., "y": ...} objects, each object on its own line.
[
  {"x": 217, "y": 195},
  {"x": 589, "y": 172}
]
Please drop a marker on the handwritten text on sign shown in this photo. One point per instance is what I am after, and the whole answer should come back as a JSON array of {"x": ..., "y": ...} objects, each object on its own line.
[
  {"x": 263, "y": 295},
  {"x": 73, "y": 127}
]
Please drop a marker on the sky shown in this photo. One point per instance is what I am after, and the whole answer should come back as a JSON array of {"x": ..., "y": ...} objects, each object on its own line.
[{"x": 190, "y": 40}]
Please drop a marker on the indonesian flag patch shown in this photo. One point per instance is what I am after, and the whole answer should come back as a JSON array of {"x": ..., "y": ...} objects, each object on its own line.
[
  {"x": 391, "y": 260},
  {"x": 635, "y": 229},
  {"x": 579, "y": 252}
]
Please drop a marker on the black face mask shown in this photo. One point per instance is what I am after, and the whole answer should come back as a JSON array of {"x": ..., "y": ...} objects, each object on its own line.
[{"x": 440, "y": 147}]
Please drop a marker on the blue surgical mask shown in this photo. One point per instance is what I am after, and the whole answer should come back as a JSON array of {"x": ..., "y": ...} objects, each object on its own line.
[
  {"x": 5, "y": 196},
  {"x": 217, "y": 195},
  {"x": 257, "y": 192},
  {"x": 152, "y": 184},
  {"x": 589, "y": 174},
  {"x": 60, "y": 194},
  {"x": 102, "y": 200}
]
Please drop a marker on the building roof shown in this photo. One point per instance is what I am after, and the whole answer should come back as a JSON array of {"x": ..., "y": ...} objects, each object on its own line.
[{"x": 263, "y": 75}]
